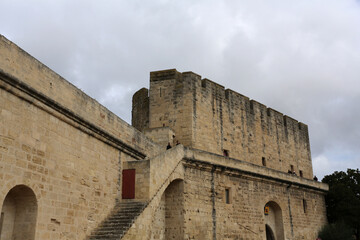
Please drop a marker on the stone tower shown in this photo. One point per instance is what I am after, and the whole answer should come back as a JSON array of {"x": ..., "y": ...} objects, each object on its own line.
[{"x": 205, "y": 116}]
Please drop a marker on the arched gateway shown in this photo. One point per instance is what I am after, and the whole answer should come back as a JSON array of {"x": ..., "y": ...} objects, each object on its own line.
[
  {"x": 273, "y": 221},
  {"x": 18, "y": 214}
]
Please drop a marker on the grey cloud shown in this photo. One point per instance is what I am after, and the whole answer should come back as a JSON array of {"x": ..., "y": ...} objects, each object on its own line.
[{"x": 298, "y": 57}]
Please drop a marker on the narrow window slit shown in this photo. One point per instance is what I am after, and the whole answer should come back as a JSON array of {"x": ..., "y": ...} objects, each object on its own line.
[
  {"x": 227, "y": 195},
  {"x": 304, "y": 205}
]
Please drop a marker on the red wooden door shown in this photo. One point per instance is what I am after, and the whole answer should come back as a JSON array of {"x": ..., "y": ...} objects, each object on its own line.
[{"x": 128, "y": 184}]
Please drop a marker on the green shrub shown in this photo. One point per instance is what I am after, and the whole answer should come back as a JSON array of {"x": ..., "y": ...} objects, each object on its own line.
[{"x": 336, "y": 231}]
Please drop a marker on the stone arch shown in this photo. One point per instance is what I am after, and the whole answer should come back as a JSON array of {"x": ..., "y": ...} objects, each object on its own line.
[
  {"x": 168, "y": 221},
  {"x": 19, "y": 214},
  {"x": 8, "y": 185},
  {"x": 274, "y": 198},
  {"x": 174, "y": 210},
  {"x": 273, "y": 221}
]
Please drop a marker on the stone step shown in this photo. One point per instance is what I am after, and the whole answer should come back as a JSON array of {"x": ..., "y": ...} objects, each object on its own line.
[
  {"x": 115, "y": 226},
  {"x": 106, "y": 237},
  {"x": 122, "y": 216},
  {"x": 129, "y": 204},
  {"x": 109, "y": 233},
  {"x": 122, "y": 206},
  {"x": 119, "y": 221},
  {"x": 127, "y": 211}
]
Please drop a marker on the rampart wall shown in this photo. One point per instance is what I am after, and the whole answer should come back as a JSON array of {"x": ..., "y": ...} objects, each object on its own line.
[
  {"x": 63, "y": 146},
  {"x": 205, "y": 116},
  {"x": 208, "y": 213},
  {"x": 34, "y": 77}
]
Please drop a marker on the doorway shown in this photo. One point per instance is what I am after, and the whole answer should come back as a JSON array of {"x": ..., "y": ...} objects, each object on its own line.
[
  {"x": 273, "y": 221},
  {"x": 18, "y": 214}
]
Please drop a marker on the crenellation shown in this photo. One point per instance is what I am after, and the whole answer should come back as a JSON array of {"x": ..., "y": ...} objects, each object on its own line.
[
  {"x": 207, "y": 83},
  {"x": 257, "y": 109},
  {"x": 218, "y": 90},
  {"x": 169, "y": 74},
  {"x": 193, "y": 76}
]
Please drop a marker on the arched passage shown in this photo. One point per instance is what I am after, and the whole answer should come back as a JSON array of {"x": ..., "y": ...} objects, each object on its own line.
[
  {"x": 169, "y": 217},
  {"x": 174, "y": 214},
  {"x": 18, "y": 214},
  {"x": 273, "y": 221}
]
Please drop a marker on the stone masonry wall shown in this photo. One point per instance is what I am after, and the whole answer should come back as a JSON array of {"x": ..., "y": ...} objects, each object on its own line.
[
  {"x": 205, "y": 116},
  {"x": 162, "y": 136},
  {"x": 63, "y": 145},
  {"x": 197, "y": 195},
  {"x": 208, "y": 216},
  {"x": 74, "y": 176},
  {"x": 171, "y": 103},
  {"x": 26, "y": 70},
  {"x": 169, "y": 216}
]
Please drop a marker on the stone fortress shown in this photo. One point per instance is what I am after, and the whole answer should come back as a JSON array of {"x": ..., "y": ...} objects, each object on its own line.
[{"x": 71, "y": 169}]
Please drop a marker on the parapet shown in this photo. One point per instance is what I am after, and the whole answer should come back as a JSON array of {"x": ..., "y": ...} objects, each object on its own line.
[
  {"x": 173, "y": 74},
  {"x": 162, "y": 135}
]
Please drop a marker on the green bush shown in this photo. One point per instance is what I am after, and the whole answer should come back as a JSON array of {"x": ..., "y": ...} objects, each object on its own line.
[{"x": 336, "y": 231}]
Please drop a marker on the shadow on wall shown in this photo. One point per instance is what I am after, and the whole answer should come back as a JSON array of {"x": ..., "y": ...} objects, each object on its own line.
[
  {"x": 174, "y": 205},
  {"x": 18, "y": 214},
  {"x": 168, "y": 222}
]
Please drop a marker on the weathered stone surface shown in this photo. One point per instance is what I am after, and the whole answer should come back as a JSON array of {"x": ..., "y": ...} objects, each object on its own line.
[
  {"x": 63, "y": 145},
  {"x": 62, "y": 155}
]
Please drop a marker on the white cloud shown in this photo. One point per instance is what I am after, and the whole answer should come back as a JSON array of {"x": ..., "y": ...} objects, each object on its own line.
[
  {"x": 321, "y": 166},
  {"x": 335, "y": 160}
]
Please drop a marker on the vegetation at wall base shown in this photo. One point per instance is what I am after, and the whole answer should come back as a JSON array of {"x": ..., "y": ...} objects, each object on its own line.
[
  {"x": 343, "y": 201},
  {"x": 336, "y": 231}
]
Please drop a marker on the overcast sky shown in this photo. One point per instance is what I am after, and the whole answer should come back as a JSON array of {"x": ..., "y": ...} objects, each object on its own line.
[{"x": 301, "y": 57}]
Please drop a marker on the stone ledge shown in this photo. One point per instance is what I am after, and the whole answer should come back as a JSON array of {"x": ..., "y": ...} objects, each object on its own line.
[{"x": 231, "y": 164}]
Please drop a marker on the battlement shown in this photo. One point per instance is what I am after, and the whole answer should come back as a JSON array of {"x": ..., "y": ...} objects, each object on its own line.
[
  {"x": 165, "y": 75},
  {"x": 206, "y": 116},
  {"x": 253, "y": 106}
]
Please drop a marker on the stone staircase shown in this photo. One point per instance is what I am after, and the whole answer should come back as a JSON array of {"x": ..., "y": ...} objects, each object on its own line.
[{"x": 116, "y": 224}]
